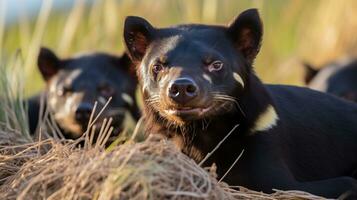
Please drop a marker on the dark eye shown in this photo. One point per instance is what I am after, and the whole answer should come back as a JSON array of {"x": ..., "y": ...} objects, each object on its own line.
[
  {"x": 215, "y": 66},
  {"x": 156, "y": 68},
  {"x": 64, "y": 90},
  {"x": 106, "y": 91}
]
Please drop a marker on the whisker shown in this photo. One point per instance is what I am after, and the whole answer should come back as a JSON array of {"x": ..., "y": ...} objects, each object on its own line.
[{"x": 219, "y": 96}]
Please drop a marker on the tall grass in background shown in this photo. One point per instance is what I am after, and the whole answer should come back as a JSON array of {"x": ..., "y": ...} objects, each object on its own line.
[
  {"x": 295, "y": 30},
  {"x": 13, "y": 111}
]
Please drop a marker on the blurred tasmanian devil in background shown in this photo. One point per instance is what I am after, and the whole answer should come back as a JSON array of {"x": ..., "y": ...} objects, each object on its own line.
[
  {"x": 198, "y": 84},
  {"x": 339, "y": 78},
  {"x": 74, "y": 84}
]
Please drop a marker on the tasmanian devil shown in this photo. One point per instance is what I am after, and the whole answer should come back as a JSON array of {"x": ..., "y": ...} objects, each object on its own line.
[
  {"x": 198, "y": 83},
  {"x": 338, "y": 78},
  {"x": 74, "y": 84}
]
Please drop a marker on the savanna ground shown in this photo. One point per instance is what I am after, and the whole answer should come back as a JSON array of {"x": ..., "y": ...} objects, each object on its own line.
[{"x": 294, "y": 31}]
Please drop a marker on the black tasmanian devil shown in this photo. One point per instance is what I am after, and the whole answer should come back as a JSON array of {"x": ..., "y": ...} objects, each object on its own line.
[
  {"x": 198, "y": 83},
  {"x": 74, "y": 84},
  {"x": 337, "y": 78}
]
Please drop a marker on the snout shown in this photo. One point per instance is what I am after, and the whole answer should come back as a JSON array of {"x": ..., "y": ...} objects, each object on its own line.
[
  {"x": 187, "y": 99},
  {"x": 182, "y": 90},
  {"x": 83, "y": 113}
]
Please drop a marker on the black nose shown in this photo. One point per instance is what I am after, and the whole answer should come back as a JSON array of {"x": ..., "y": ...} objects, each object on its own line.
[
  {"x": 182, "y": 90},
  {"x": 83, "y": 112}
]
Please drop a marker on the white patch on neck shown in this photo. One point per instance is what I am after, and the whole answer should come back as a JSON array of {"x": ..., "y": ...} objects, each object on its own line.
[
  {"x": 127, "y": 98},
  {"x": 238, "y": 79},
  {"x": 267, "y": 120},
  {"x": 207, "y": 77}
]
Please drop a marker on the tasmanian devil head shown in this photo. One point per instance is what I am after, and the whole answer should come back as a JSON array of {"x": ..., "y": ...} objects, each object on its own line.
[
  {"x": 75, "y": 84},
  {"x": 193, "y": 72}
]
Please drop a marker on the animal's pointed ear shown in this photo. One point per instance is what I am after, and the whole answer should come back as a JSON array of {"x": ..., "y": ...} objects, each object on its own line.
[
  {"x": 48, "y": 63},
  {"x": 246, "y": 31},
  {"x": 310, "y": 72},
  {"x": 138, "y": 33}
]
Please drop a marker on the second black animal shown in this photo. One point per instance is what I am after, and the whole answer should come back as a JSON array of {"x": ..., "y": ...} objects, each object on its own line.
[{"x": 74, "y": 84}]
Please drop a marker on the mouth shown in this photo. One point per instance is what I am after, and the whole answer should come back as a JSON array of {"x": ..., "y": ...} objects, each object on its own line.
[
  {"x": 182, "y": 114},
  {"x": 188, "y": 111}
]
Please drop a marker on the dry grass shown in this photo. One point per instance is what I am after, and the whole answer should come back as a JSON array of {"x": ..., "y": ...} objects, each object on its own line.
[
  {"x": 153, "y": 169},
  {"x": 13, "y": 115}
]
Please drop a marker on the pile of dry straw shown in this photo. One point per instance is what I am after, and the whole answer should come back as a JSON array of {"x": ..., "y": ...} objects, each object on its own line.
[{"x": 154, "y": 169}]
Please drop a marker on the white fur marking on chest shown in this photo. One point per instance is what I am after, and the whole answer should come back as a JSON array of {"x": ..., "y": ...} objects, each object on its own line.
[
  {"x": 267, "y": 120},
  {"x": 127, "y": 98},
  {"x": 238, "y": 78}
]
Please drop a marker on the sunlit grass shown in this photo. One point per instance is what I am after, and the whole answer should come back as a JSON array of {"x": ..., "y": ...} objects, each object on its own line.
[
  {"x": 13, "y": 111},
  {"x": 317, "y": 31}
]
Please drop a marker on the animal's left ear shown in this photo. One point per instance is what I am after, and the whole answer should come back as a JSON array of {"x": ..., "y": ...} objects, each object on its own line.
[
  {"x": 48, "y": 63},
  {"x": 138, "y": 34},
  {"x": 246, "y": 31}
]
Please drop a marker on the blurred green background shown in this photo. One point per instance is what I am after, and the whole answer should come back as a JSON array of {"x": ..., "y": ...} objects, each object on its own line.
[{"x": 294, "y": 30}]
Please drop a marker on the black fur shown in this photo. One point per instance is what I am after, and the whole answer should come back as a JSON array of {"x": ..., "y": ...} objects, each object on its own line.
[
  {"x": 192, "y": 96},
  {"x": 74, "y": 84}
]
